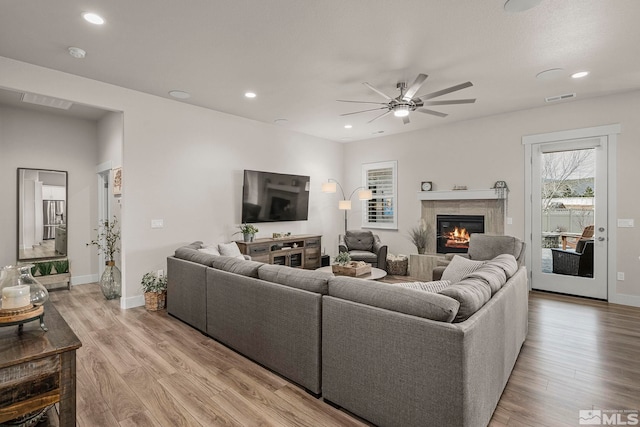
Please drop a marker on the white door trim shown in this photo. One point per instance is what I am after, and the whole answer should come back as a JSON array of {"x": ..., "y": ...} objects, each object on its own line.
[{"x": 610, "y": 132}]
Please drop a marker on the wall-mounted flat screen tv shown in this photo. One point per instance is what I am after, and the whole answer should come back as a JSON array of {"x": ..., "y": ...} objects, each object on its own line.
[{"x": 272, "y": 197}]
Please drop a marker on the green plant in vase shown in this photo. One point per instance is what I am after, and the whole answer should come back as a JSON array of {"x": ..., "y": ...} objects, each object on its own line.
[
  {"x": 248, "y": 231},
  {"x": 61, "y": 266},
  {"x": 343, "y": 258},
  {"x": 418, "y": 236},
  {"x": 155, "y": 291},
  {"x": 107, "y": 244},
  {"x": 44, "y": 268}
]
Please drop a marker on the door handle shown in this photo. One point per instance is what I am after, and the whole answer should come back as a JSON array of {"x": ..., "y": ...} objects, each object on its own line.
[{"x": 601, "y": 239}]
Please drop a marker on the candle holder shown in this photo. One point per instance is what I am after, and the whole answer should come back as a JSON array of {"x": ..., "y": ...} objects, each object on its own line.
[{"x": 22, "y": 297}]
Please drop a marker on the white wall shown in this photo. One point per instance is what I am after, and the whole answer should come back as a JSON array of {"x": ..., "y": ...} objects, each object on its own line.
[
  {"x": 184, "y": 164},
  {"x": 476, "y": 153},
  {"x": 31, "y": 139}
]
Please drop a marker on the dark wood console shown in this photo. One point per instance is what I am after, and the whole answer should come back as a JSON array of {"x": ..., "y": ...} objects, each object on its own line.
[{"x": 301, "y": 251}]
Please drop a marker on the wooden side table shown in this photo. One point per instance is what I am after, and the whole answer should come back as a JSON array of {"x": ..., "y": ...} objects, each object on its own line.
[
  {"x": 38, "y": 368},
  {"x": 421, "y": 266}
]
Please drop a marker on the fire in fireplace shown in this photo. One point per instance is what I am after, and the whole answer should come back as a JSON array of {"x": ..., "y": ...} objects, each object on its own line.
[{"x": 453, "y": 232}]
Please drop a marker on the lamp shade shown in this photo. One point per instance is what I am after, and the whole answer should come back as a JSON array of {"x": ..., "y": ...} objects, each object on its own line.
[
  {"x": 365, "y": 195},
  {"x": 329, "y": 187},
  {"x": 344, "y": 205}
]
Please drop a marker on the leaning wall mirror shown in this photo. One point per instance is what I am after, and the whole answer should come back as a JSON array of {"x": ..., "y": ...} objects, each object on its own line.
[{"x": 42, "y": 214}]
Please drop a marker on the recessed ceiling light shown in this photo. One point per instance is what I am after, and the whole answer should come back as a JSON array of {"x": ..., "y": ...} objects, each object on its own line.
[
  {"x": 280, "y": 121},
  {"x": 348, "y": 126},
  {"x": 377, "y": 132},
  {"x": 516, "y": 6},
  {"x": 180, "y": 94},
  {"x": 93, "y": 18},
  {"x": 250, "y": 95},
  {"x": 76, "y": 52},
  {"x": 551, "y": 74},
  {"x": 579, "y": 74}
]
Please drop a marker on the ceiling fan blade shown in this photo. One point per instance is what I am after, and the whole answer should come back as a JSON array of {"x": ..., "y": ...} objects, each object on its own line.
[
  {"x": 413, "y": 89},
  {"x": 451, "y": 102},
  {"x": 433, "y": 113},
  {"x": 364, "y": 111},
  {"x": 406, "y": 120},
  {"x": 377, "y": 91},
  {"x": 381, "y": 115},
  {"x": 362, "y": 102},
  {"x": 445, "y": 91}
]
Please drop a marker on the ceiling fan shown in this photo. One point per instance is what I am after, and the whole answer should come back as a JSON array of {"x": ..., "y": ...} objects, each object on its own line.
[{"x": 403, "y": 104}]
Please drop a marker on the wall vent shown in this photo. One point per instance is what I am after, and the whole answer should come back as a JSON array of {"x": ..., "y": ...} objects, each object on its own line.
[
  {"x": 560, "y": 97},
  {"x": 46, "y": 101}
]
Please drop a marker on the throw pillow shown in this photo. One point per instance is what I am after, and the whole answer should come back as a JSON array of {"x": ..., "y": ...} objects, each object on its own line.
[
  {"x": 230, "y": 249},
  {"x": 210, "y": 249},
  {"x": 435, "y": 286},
  {"x": 507, "y": 262},
  {"x": 460, "y": 267},
  {"x": 472, "y": 293}
]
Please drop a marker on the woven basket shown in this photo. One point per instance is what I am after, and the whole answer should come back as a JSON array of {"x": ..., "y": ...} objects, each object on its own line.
[
  {"x": 154, "y": 301},
  {"x": 397, "y": 267}
]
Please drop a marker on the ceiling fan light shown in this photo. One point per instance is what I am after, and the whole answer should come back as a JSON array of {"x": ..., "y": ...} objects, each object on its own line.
[{"x": 401, "y": 111}]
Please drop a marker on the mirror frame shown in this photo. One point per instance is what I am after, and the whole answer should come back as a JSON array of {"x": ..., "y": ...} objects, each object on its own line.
[{"x": 20, "y": 219}]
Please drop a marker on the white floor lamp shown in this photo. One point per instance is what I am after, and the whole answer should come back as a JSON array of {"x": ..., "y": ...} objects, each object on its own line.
[{"x": 331, "y": 186}]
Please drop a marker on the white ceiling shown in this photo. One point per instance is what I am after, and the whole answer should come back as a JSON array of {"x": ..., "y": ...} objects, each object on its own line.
[{"x": 301, "y": 56}]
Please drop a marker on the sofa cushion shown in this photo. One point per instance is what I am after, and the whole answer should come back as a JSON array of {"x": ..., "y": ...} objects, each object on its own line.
[
  {"x": 428, "y": 305},
  {"x": 210, "y": 249},
  {"x": 472, "y": 293},
  {"x": 459, "y": 267},
  {"x": 359, "y": 240},
  {"x": 507, "y": 262},
  {"x": 230, "y": 249},
  {"x": 435, "y": 286},
  {"x": 235, "y": 265},
  {"x": 194, "y": 255},
  {"x": 492, "y": 274},
  {"x": 363, "y": 256},
  {"x": 308, "y": 280}
]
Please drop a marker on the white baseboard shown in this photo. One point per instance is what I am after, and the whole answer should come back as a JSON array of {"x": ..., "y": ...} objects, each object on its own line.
[
  {"x": 132, "y": 302},
  {"x": 83, "y": 280},
  {"x": 623, "y": 299}
]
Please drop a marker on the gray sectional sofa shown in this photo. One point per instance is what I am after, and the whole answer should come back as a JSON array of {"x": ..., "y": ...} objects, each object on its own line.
[{"x": 392, "y": 355}]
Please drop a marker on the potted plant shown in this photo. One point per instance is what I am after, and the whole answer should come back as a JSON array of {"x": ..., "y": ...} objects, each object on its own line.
[
  {"x": 107, "y": 244},
  {"x": 418, "y": 236},
  {"x": 155, "y": 291},
  {"x": 248, "y": 231},
  {"x": 343, "y": 258}
]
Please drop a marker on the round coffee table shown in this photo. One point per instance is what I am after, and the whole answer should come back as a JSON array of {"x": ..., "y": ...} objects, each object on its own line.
[{"x": 376, "y": 273}]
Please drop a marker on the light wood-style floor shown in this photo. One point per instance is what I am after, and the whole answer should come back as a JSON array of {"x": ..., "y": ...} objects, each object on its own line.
[{"x": 138, "y": 368}]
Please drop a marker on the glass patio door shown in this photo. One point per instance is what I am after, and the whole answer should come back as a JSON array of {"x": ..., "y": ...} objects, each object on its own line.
[{"x": 569, "y": 217}]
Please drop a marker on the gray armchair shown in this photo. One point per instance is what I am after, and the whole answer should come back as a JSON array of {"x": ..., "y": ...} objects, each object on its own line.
[
  {"x": 483, "y": 247},
  {"x": 364, "y": 246}
]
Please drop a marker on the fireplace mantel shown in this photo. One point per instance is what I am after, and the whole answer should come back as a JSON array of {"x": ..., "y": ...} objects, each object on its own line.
[{"x": 460, "y": 195}]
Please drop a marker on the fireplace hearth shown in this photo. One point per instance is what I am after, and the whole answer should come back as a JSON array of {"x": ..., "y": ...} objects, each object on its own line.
[{"x": 453, "y": 232}]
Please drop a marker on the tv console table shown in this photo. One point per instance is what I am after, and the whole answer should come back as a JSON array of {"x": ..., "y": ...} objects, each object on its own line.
[{"x": 301, "y": 251}]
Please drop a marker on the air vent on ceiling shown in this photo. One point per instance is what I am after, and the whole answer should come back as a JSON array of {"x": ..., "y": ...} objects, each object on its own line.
[
  {"x": 560, "y": 97},
  {"x": 46, "y": 101}
]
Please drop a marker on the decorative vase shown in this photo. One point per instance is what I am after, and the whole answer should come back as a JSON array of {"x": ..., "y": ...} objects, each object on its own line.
[
  {"x": 421, "y": 251},
  {"x": 111, "y": 281},
  {"x": 19, "y": 289},
  {"x": 248, "y": 237}
]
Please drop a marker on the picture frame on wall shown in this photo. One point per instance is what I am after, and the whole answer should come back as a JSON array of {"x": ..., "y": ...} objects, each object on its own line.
[{"x": 117, "y": 181}]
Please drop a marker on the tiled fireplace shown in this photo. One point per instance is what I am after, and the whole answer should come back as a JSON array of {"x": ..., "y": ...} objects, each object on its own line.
[{"x": 467, "y": 203}]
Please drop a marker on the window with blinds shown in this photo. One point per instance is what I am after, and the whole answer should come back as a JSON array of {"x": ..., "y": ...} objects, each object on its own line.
[{"x": 381, "y": 210}]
